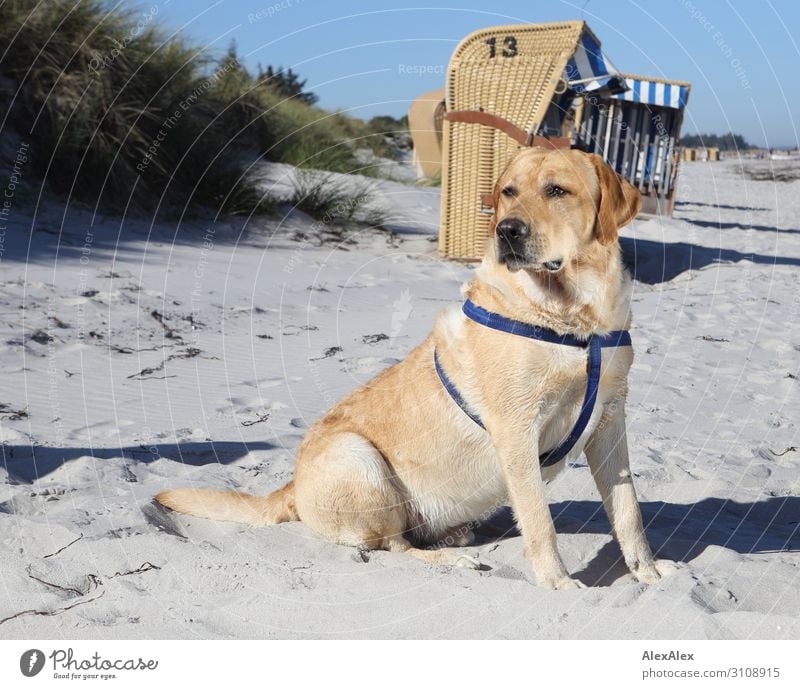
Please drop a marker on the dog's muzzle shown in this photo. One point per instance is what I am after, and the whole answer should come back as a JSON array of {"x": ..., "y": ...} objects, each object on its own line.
[
  {"x": 512, "y": 234},
  {"x": 516, "y": 248}
]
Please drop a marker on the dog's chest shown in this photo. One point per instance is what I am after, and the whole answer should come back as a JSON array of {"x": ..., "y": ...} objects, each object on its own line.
[{"x": 563, "y": 393}]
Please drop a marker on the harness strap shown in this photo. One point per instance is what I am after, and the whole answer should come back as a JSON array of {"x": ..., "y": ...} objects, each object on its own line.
[
  {"x": 454, "y": 393},
  {"x": 616, "y": 338},
  {"x": 594, "y": 345},
  {"x": 589, "y": 400}
]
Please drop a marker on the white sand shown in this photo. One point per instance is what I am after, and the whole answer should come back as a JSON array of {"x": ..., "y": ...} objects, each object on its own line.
[{"x": 713, "y": 409}]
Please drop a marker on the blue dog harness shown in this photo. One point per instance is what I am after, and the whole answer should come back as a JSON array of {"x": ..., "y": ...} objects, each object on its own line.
[{"x": 594, "y": 345}]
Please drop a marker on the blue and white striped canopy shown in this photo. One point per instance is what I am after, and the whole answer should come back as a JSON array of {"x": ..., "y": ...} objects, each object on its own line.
[
  {"x": 590, "y": 70},
  {"x": 655, "y": 93}
]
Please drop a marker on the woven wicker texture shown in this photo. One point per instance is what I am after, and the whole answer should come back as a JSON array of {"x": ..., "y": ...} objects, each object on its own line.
[{"x": 510, "y": 71}]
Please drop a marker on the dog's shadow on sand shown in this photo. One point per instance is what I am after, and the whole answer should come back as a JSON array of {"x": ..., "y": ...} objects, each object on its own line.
[{"x": 675, "y": 532}]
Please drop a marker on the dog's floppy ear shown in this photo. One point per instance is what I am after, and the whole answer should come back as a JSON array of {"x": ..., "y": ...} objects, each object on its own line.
[
  {"x": 619, "y": 201},
  {"x": 495, "y": 204}
]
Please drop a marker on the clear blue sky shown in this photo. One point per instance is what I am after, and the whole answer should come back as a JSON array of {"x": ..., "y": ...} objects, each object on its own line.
[{"x": 740, "y": 57}]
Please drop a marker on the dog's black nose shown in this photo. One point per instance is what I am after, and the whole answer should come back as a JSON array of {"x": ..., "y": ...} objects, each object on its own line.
[{"x": 511, "y": 229}]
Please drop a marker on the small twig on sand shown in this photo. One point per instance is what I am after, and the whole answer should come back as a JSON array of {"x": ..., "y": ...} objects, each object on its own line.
[
  {"x": 709, "y": 338},
  {"x": 58, "y": 322},
  {"x": 146, "y": 567},
  {"x": 328, "y": 353},
  {"x": 13, "y": 414},
  {"x": 190, "y": 319},
  {"x": 62, "y": 549},
  {"x": 190, "y": 353},
  {"x": 51, "y": 613},
  {"x": 146, "y": 371},
  {"x": 69, "y": 589},
  {"x": 131, "y": 350},
  {"x": 41, "y": 337},
  {"x": 169, "y": 333},
  {"x": 260, "y": 418}
]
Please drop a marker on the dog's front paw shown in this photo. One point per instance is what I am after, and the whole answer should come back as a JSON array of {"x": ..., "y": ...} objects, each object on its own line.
[
  {"x": 563, "y": 583},
  {"x": 651, "y": 572},
  {"x": 568, "y": 583},
  {"x": 467, "y": 561}
]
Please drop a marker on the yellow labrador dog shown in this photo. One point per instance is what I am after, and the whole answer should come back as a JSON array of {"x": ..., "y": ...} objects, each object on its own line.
[{"x": 474, "y": 417}]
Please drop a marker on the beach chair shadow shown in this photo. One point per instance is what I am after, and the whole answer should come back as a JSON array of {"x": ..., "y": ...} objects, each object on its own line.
[
  {"x": 653, "y": 262},
  {"x": 720, "y": 205},
  {"x": 718, "y": 225}
]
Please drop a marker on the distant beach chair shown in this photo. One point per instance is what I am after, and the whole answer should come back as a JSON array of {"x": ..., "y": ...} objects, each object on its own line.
[
  {"x": 638, "y": 133},
  {"x": 425, "y": 117},
  {"x": 533, "y": 84}
]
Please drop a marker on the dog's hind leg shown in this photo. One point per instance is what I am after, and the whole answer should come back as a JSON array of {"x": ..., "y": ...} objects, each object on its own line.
[
  {"x": 439, "y": 556},
  {"x": 345, "y": 492},
  {"x": 459, "y": 536}
]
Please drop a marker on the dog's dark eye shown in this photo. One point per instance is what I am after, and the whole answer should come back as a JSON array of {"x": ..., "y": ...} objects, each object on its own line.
[
  {"x": 554, "y": 191},
  {"x": 508, "y": 191}
]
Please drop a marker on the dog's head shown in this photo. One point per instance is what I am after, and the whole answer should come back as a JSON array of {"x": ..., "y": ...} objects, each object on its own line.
[{"x": 551, "y": 205}]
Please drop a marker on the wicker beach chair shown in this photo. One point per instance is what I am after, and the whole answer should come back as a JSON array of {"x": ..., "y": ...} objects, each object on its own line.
[
  {"x": 425, "y": 117},
  {"x": 507, "y": 86}
]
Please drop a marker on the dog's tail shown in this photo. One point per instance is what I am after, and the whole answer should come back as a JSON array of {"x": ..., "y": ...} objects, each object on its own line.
[{"x": 232, "y": 506}]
